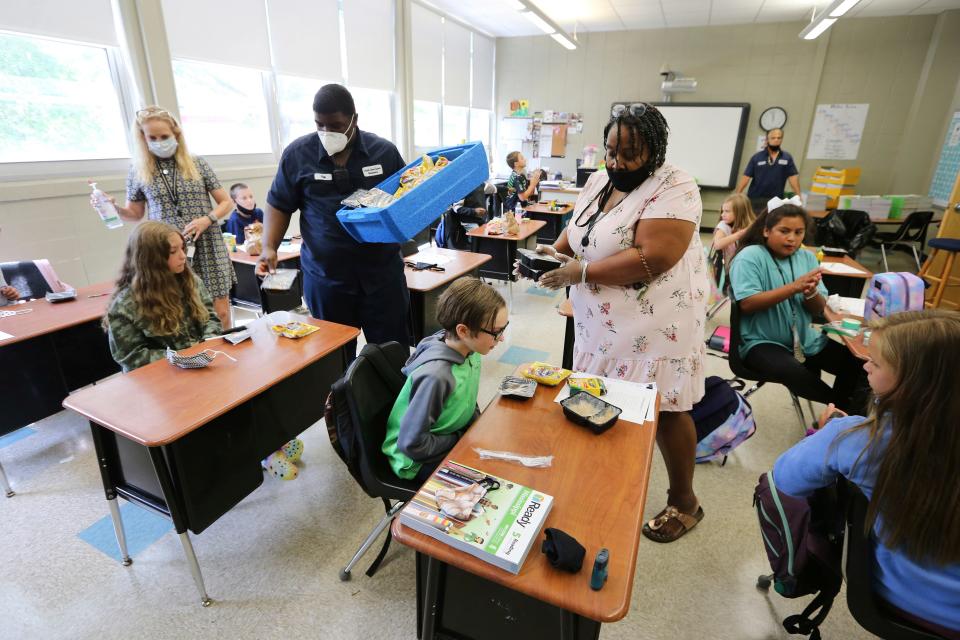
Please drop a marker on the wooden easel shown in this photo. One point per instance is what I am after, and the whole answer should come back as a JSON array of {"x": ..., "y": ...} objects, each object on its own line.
[{"x": 937, "y": 263}]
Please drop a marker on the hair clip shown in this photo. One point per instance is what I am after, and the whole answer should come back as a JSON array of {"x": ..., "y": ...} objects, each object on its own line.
[{"x": 775, "y": 202}]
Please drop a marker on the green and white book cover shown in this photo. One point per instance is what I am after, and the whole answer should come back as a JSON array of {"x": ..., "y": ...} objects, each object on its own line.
[{"x": 488, "y": 517}]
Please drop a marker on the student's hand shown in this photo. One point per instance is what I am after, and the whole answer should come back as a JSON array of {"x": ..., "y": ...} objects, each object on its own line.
[
  {"x": 196, "y": 227},
  {"x": 10, "y": 293},
  {"x": 267, "y": 262},
  {"x": 829, "y": 413},
  {"x": 564, "y": 276},
  {"x": 807, "y": 282}
]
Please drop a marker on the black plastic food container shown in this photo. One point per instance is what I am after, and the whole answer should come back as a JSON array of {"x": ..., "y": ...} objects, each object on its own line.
[{"x": 589, "y": 411}]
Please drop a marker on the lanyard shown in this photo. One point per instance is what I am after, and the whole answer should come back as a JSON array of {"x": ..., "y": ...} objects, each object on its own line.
[
  {"x": 794, "y": 322},
  {"x": 598, "y": 215},
  {"x": 174, "y": 191}
]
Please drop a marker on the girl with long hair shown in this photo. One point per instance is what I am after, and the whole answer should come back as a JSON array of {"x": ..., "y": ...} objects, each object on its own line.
[
  {"x": 903, "y": 456},
  {"x": 736, "y": 215},
  {"x": 169, "y": 184},
  {"x": 158, "y": 301},
  {"x": 777, "y": 285}
]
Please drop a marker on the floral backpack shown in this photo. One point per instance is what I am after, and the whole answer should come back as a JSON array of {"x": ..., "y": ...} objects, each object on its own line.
[{"x": 723, "y": 418}]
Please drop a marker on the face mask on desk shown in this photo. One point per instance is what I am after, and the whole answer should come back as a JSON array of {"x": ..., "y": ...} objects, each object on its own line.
[
  {"x": 334, "y": 142},
  {"x": 163, "y": 148}
]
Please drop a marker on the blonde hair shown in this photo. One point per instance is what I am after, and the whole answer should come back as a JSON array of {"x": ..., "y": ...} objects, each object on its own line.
[
  {"x": 743, "y": 215},
  {"x": 144, "y": 162},
  {"x": 160, "y": 295},
  {"x": 471, "y": 302},
  {"x": 917, "y": 487}
]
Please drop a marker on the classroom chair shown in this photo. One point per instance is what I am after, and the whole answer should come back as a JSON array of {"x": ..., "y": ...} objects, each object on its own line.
[
  {"x": 362, "y": 400},
  {"x": 944, "y": 278},
  {"x": 864, "y": 605},
  {"x": 32, "y": 278},
  {"x": 5, "y": 484},
  {"x": 741, "y": 370},
  {"x": 911, "y": 232}
]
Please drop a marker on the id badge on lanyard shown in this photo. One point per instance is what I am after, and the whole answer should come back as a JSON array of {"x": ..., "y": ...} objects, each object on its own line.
[{"x": 794, "y": 321}]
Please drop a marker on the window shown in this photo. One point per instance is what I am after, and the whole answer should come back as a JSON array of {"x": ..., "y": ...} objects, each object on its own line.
[
  {"x": 426, "y": 124},
  {"x": 480, "y": 127},
  {"x": 295, "y": 97},
  {"x": 374, "y": 111},
  {"x": 58, "y": 102},
  {"x": 454, "y": 125},
  {"x": 223, "y": 108}
]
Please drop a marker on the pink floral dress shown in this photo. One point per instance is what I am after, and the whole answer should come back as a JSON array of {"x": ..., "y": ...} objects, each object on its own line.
[{"x": 654, "y": 335}]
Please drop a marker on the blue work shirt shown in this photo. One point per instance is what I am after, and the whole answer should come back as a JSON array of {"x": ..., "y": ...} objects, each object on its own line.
[
  {"x": 768, "y": 179},
  {"x": 304, "y": 182}
]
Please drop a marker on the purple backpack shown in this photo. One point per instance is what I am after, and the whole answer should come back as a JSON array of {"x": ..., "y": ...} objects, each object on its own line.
[
  {"x": 723, "y": 419},
  {"x": 892, "y": 293},
  {"x": 803, "y": 538}
]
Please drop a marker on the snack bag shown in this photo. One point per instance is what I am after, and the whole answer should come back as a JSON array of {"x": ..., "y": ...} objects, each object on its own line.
[
  {"x": 413, "y": 176},
  {"x": 293, "y": 329},
  {"x": 593, "y": 386},
  {"x": 545, "y": 373},
  {"x": 253, "y": 235}
]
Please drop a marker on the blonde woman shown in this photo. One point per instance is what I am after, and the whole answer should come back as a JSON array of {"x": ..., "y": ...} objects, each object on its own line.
[
  {"x": 736, "y": 214},
  {"x": 166, "y": 183}
]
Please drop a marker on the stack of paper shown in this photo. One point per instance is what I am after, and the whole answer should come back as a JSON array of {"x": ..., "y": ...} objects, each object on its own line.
[
  {"x": 637, "y": 401},
  {"x": 877, "y": 207},
  {"x": 814, "y": 201},
  {"x": 848, "y": 306}
]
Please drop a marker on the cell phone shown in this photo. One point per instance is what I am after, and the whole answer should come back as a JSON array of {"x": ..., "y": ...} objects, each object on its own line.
[{"x": 420, "y": 266}]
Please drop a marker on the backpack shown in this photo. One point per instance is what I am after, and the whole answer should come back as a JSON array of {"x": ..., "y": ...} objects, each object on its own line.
[
  {"x": 803, "y": 538},
  {"x": 450, "y": 232},
  {"x": 345, "y": 436},
  {"x": 719, "y": 340},
  {"x": 723, "y": 419},
  {"x": 892, "y": 293}
]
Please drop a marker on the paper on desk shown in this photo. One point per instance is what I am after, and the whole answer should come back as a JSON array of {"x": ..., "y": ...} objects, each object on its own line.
[
  {"x": 286, "y": 246},
  {"x": 5, "y": 336},
  {"x": 637, "y": 401},
  {"x": 840, "y": 268},
  {"x": 436, "y": 258},
  {"x": 849, "y": 306}
]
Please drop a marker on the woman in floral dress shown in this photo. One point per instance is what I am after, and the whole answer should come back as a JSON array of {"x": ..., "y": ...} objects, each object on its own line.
[{"x": 638, "y": 288}]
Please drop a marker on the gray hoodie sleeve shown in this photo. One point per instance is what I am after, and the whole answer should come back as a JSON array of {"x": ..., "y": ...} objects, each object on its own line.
[{"x": 431, "y": 386}]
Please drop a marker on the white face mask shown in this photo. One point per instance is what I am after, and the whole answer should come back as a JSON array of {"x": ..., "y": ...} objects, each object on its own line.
[
  {"x": 333, "y": 141},
  {"x": 163, "y": 148}
]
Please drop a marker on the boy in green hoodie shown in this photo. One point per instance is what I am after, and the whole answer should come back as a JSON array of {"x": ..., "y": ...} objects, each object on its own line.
[{"x": 439, "y": 399}]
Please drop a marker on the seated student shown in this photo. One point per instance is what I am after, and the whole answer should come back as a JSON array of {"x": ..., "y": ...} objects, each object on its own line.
[
  {"x": 736, "y": 214},
  {"x": 519, "y": 188},
  {"x": 472, "y": 209},
  {"x": 904, "y": 457},
  {"x": 7, "y": 293},
  {"x": 439, "y": 399},
  {"x": 30, "y": 279},
  {"x": 777, "y": 285},
  {"x": 246, "y": 213},
  {"x": 159, "y": 302}
]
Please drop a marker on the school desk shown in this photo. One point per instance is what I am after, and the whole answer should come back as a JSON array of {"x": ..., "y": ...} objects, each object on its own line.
[
  {"x": 55, "y": 349},
  {"x": 246, "y": 293},
  {"x": 599, "y": 487},
  {"x": 566, "y": 310},
  {"x": 187, "y": 443},
  {"x": 426, "y": 286},
  {"x": 562, "y": 194},
  {"x": 848, "y": 285},
  {"x": 502, "y": 248},
  {"x": 855, "y": 345},
  {"x": 554, "y": 220}
]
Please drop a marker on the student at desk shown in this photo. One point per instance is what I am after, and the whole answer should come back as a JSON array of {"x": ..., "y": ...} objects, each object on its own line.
[
  {"x": 246, "y": 213},
  {"x": 519, "y": 188}
]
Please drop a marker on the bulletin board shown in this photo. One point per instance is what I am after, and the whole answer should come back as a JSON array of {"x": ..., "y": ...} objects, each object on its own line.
[{"x": 948, "y": 165}]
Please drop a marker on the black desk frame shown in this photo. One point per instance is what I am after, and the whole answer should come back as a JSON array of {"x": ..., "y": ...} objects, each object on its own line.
[
  {"x": 503, "y": 253},
  {"x": 555, "y": 224},
  {"x": 423, "y": 309},
  {"x": 182, "y": 481},
  {"x": 246, "y": 293}
]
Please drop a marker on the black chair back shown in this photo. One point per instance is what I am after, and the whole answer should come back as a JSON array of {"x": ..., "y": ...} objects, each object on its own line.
[
  {"x": 859, "y": 229},
  {"x": 26, "y": 278},
  {"x": 914, "y": 228}
]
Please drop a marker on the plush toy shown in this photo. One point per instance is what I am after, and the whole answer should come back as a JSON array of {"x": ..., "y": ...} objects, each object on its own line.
[
  {"x": 280, "y": 464},
  {"x": 252, "y": 239},
  {"x": 513, "y": 227}
]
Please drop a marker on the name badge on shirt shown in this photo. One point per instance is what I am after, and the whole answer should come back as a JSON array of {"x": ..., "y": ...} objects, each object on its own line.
[
  {"x": 762, "y": 163},
  {"x": 373, "y": 170},
  {"x": 781, "y": 162},
  {"x": 323, "y": 176}
]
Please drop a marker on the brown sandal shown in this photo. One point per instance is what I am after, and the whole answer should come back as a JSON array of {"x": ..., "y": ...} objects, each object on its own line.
[{"x": 656, "y": 531}]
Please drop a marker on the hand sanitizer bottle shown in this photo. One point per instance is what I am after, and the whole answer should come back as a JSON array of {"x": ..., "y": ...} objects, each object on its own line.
[{"x": 108, "y": 212}]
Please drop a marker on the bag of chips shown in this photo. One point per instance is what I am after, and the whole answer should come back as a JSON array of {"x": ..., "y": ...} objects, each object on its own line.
[
  {"x": 293, "y": 329},
  {"x": 593, "y": 386},
  {"x": 545, "y": 373},
  {"x": 414, "y": 176}
]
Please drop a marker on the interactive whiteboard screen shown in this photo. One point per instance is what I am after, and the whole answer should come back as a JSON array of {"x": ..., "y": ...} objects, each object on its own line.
[{"x": 705, "y": 140}]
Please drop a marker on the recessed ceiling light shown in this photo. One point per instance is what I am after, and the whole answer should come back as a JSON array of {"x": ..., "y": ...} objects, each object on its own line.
[{"x": 816, "y": 28}]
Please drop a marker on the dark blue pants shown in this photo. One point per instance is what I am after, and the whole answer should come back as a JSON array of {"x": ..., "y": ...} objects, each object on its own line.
[{"x": 383, "y": 314}]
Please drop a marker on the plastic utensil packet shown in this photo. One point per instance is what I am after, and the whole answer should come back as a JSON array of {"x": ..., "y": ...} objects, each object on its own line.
[{"x": 527, "y": 461}]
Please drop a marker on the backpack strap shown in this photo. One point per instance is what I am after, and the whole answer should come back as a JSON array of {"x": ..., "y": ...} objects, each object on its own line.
[{"x": 805, "y": 625}]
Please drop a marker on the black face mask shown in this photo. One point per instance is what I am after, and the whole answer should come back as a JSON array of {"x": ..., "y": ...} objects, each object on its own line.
[
  {"x": 244, "y": 210},
  {"x": 774, "y": 148},
  {"x": 627, "y": 181}
]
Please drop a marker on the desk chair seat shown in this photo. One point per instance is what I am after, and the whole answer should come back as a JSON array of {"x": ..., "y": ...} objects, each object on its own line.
[
  {"x": 944, "y": 279},
  {"x": 911, "y": 232},
  {"x": 362, "y": 400}
]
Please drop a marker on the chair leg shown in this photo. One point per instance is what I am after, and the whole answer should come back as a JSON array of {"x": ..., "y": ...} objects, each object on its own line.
[
  {"x": 383, "y": 524},
  {"x": 916, "y": 258},
  {"x": 5, "y": 484},
  {"x": 883, "y": 251},
  {"x": 799, "y": 410},
  {"x": 712, "y": 311}
]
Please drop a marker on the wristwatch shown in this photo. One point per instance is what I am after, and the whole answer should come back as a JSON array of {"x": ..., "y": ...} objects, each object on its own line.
[{"x": 213, "y": 218}]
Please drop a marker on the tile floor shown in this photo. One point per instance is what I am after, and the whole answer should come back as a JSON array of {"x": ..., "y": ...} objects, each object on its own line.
[{"x": 271, "y": 564}]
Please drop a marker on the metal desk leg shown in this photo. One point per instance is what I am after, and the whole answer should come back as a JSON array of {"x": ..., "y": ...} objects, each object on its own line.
[
  {"x": 430, "y": 599},
  {"x": 125, "y": 559},
  {"x": 194, "y": 568},
  {"x": 4, "y": 484}
]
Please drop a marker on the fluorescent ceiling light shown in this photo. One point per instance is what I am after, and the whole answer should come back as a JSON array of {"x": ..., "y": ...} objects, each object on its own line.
[
  {"x": 841, "y": 8},
  {"x": 516, "y": 5},
  {"x": 542, "y": 24},
  {"x": 816, "y": 27},
  {"x": 562, "y": 39}
]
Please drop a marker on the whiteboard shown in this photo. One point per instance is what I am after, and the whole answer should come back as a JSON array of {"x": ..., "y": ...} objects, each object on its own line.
[
  {"x": 837, "y": 130},
  {"x": 705, "y": 139}
]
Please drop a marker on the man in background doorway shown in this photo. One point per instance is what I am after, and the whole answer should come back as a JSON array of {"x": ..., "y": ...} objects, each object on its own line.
[{"x": 767, "y": 171}]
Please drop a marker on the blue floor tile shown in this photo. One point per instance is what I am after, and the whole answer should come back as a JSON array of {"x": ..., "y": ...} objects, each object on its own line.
[
  {"x": 541, "y": 291},
  {"x": 16, "y": 436},
  {"x": 519, "y": 355},
  {"x": 142, "y": 527}
]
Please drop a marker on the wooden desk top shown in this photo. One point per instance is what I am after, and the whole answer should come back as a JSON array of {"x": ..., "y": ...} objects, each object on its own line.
[
  {"x": 599, "y": 486},
  {"x": 573, "y": 190},
  {"x": 565, "y": 308},
  {"x": 850, "y": 262},
  {"x": 562, "y": 209},
  {"x": 159, "y": 403},
  {"x": 243, "y": 257},
  {"x": 855, "y": 345},
  {"x": 527, "y": 229},
  {"x": 462, "y": 262},
  {"x": 48, "y": 317}
]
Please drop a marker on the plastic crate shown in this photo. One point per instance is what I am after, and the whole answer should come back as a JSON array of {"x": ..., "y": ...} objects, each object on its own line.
[{"x": 402, "y": 219}]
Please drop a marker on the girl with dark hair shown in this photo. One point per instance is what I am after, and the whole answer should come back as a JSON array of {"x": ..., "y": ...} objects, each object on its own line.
[
  {"x": 904, "y": 457},
  {"x": 778, "y": 287},
  {"x": 638, "y": 282}
]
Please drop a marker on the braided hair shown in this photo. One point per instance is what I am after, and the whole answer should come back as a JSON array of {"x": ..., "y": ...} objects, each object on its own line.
[{"x": 648, "y": 129}]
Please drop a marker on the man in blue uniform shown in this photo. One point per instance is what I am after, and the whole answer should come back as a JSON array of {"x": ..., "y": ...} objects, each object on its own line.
[
  {"x": 344, "y": 281},
  {"x": 769, "y": 169}
]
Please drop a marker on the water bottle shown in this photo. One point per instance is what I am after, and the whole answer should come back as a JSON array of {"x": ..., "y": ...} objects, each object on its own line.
[
  {"x": 108, "y": 212},
  {"x": 518, "y": 212}
]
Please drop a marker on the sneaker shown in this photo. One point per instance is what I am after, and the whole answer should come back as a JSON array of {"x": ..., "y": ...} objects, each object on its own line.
[{"x": 280, "y": 467}]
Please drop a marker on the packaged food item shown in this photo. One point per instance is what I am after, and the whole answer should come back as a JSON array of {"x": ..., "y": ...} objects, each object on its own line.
[
  {"x": 545, "y": 373},
  {"x": 414, "y": 176},
  {"x": 495, "y": 227},
  {"x": 590, "y": 412},
  {"x": 368, "y": 198},
  {"x": 515, "y": 387},
  {"x": 230, "y": 240},
  {"x": 280, "y": 280},
  {"x": 294, "y": 329},
  {"x": 593, "y": 386},
  {"x": 533, "y": 264}
]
